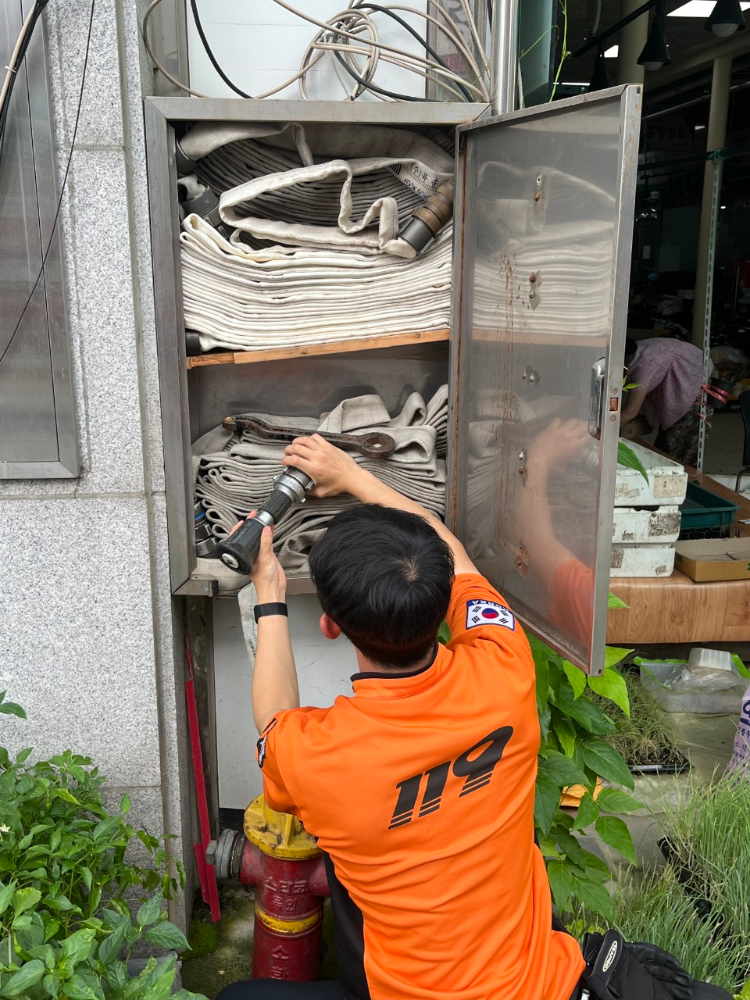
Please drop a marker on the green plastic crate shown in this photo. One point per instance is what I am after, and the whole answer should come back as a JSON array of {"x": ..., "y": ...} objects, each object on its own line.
[{"x": 703, "y": 509}]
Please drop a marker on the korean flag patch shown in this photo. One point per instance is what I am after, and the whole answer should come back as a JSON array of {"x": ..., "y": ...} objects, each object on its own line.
[{"x": 480, "y": 613}]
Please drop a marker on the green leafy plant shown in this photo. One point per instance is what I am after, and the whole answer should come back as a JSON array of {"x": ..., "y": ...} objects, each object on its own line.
[
  {"x": 66, "y": 931},
  {"x": 574, "y": 752},
  {"x": 627, "y": 457}
]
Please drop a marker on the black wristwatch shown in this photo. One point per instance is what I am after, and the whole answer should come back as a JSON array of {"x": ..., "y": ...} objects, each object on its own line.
[{"x": 272, "y": 608}]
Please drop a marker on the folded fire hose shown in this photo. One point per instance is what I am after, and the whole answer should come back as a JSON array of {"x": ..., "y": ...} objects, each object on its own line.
[
  {"x": 305, "y": 244},
  {"x": 235, "y": 469}
]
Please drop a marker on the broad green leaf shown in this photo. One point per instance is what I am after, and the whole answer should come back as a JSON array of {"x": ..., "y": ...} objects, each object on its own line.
[
  {"x": 51, "y": 986},
  {"x": 594, "y": 896},
  {"x": 113, "y": 918},
  {"x": 26, "y": 977},
  {"x": 10, "y": 708},
  {"x": 142, "y": 979},
  {"x": 125, "y": 804},
  {"x": 116, "y": 975},
  {"x": 60, "y": 903},
  {"x": 109, "y": 947},
  {"x": 613, "y": 601},
  {"x": 596, "y": 867},
  {"x": 745, "y": 994},
  {"x": 607, "y": 762},
  {"x": 611, "y": 685},
  {"x": 585, "y": 713},
  {"x": 614, "y": 655},
  {"x": 576, "y": 678},
  {"x": 32, "y": 935},
  {"x": 627, "y": 457},
  {"x": 51, "y": 928},
  {"x": 25, "y": 899},
  {"x": 569, "y": 845},
  {"x": 561, "y": 769},
  {"x": 561, "y": 883},
  {"x": 546, "y": 802},
  {"x": 588, "y": 811},
  {"x": 88, "y": 878},
  {"x": 161, "y": 988},
  {"x": 612, "y": 801},
  {"x": 78, "y": 988},
  {"x": 150, "y": 911},
  {"x": 166, "y": 935},
  {"x": 24, "y": 755},
  {"x": 46, "y": 953},
  {"x": 566, "y": 734},
  {"x": 66, "y": 796},
  {"x": 615, "y": 832},
  {"x": 6, "y": 894},
  {"x": 444, "y": 633},
  {"x": 77, "y": 947},
  {"x": 55, "y": 840}
]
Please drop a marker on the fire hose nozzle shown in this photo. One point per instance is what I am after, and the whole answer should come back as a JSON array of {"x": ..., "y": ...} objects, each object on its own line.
[
  {"x": 429, "y": 218},
  {"x": 240, "y": 549}
]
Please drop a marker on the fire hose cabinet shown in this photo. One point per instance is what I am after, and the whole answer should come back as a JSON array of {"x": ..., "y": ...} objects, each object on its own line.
[{"x": 532, "y": 352}]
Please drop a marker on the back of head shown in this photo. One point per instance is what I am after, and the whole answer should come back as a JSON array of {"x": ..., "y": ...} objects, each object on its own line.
[{"x": 384, "y": 577}]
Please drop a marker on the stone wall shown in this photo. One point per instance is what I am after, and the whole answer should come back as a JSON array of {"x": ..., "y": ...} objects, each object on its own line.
[{"x": 91, "y": 640}]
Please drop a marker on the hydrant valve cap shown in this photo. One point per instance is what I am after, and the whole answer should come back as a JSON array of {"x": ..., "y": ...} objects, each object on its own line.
[{"x": 277, "y": 834}]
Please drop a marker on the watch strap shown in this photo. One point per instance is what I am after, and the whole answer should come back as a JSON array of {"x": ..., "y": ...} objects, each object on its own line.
[{"x": 272, "y": 608}]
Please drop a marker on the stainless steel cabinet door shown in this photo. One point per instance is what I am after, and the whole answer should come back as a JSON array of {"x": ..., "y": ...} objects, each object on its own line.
[{"x": 544, "y": 218}]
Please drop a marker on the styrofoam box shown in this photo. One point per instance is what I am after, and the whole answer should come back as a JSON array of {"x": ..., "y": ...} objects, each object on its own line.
[
  {"x": 655, "y": 672},
  {"x": 642, "y": 560},
  {"x": 658, "y": 526},
  {"x": 667, "y": 481}
]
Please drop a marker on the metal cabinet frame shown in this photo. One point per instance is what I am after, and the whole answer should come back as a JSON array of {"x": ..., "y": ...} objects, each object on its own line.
[{"x": 162, "y": 115}]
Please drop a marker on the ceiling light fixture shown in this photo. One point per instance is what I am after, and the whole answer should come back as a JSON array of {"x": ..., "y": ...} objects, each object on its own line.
[
  {"x": 700, "y": 8},
  {"x": 612, "y": 52},
  {"x": 655, "y": 52},
  {"x": 726, "y": 18}
]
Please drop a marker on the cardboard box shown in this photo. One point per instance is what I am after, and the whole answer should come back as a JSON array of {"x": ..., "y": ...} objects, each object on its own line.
[{"x": 714, "y": 559}]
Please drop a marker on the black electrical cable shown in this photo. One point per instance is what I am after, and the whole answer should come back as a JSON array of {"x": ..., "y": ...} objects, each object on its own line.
[
  {"x": 62, "y": 188},
  {"x": 371, "y": 86},
  {"x": 211, "y": 56},
  {"x": 366, "y": 5}
]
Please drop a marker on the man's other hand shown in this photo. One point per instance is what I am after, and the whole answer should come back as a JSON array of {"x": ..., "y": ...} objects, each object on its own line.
[
  {"x": 330, "y": 468},
  {"x": 267, "y": 572}
]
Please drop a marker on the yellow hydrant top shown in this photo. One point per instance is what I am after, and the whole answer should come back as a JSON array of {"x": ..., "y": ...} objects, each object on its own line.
[{"x": 278, "y": 834}]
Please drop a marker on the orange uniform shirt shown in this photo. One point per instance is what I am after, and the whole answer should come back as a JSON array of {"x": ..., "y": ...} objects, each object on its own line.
[{"x": 420, "y": 789}]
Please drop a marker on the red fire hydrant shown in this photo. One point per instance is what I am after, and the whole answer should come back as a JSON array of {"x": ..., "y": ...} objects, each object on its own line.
[{"x": 282, "y": 861}]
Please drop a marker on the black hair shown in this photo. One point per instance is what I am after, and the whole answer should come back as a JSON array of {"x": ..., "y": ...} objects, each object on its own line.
[
  {"x": 631, "y": 346},
  {"x": 384, "y": 576}
]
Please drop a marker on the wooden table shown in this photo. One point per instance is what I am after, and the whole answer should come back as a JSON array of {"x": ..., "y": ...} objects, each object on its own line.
[{"x": 678, "y": 610}]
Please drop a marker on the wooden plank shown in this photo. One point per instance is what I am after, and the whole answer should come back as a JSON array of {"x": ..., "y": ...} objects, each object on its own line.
[
  {"x": 202, "y": 360},
  {"x": 677, "y": 610},
  {"x": 316, "y": 350}
]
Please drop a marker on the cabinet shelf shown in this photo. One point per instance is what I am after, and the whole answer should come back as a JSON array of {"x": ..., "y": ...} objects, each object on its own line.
[{"x": 315, "y": 350}]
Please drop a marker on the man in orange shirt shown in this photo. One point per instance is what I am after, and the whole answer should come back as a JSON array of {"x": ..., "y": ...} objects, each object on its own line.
[{"x": 419, "y": 787}]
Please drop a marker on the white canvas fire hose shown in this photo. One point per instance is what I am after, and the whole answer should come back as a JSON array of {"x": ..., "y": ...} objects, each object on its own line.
[
  {"x": 235, "y": 472},
  {"x": 314, "y": 252}
]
